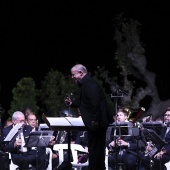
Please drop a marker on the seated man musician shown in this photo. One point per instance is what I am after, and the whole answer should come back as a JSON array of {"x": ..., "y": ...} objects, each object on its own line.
[
  {"x": 156, "y": 160},
  {"x": 21, "y": 155},
  {"x": 122, "y": 148}
]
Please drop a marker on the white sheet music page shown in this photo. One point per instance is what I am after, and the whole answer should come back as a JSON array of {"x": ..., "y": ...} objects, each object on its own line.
[
  {"x": 43, "y": 126},
  {"x": 75, "y": 121},
  {"x": 12, "y": 132},
  {"x": 65, "y": 121},
  {"x": 58, "y": 121}
]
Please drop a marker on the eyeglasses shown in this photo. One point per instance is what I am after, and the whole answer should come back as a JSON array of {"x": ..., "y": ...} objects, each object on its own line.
[
  {"x": 20, "y": 121},
  {"x": 32, "y": 119},
  {"x": 167, "y": 115}
]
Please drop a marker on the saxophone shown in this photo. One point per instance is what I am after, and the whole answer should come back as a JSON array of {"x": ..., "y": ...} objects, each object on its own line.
[{"x": 153, "y": 151}]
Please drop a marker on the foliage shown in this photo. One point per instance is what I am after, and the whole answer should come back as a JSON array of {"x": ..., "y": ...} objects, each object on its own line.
[
  {"x": 102, "y": 81},
  {"x": 134, "y": 80},
  {"x": 24, "y": 94},
  {"x": 53, "y": 90}
]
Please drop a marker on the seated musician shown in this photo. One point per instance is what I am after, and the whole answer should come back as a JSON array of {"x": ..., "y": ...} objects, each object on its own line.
[
  {"x": 123, "y": 148},
  {"x": 21, "y": 155},
  {"x": 32, "y": 121},
  {"x": 157, "y": 160}
]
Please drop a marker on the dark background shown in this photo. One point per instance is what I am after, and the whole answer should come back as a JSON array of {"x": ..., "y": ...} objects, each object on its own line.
[{"x": 36, "y": 36}]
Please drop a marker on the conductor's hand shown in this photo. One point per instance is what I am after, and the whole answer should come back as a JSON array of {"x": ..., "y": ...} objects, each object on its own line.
[{"x": 68, "y": 101}]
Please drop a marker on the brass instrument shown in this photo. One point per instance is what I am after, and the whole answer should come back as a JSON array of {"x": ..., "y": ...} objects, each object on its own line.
[
  {"x": 133, "y": 120},
  {"x": 129, "y": 113}
]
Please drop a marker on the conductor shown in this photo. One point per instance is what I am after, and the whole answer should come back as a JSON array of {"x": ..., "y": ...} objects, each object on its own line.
[{"x": 95, "y": 114}]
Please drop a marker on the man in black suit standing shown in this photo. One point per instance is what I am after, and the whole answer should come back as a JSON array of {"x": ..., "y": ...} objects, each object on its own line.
[
  {"x": 21, "y": 155},
  {"x": 95, "y": 114}
]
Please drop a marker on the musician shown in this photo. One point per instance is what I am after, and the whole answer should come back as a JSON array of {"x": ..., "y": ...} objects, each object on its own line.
[
  {"x": 21, "y": 155},
  {"x": 123, "y": 148},
  {"x": 32, "y": 121},
  {"x": 161, "y": 157}
]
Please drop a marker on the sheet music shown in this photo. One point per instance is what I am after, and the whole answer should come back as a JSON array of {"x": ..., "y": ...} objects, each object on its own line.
[
  {"x": 65, "y": 121},
  {"x": 75, "y": 121},
  {"x": 59, "y": 121},
  {"x": 13, "y": 131},
  {"x": 43, "y": 126}
]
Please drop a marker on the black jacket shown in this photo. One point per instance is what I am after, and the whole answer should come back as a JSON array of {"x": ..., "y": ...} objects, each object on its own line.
[{"x": 92, "y": 103}]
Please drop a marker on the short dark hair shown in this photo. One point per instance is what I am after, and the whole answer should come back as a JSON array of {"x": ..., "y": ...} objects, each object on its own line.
[{"x": 124, "y": 110}]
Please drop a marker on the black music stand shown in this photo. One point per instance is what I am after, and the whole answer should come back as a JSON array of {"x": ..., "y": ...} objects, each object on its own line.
[
  {"x": 120, "y": 129},
  {"x": 65, "y": 123},
  {"x": 151, "y": 135},
  {"x": 39, "y": 139},
  {"x": 155, "y": 126}
]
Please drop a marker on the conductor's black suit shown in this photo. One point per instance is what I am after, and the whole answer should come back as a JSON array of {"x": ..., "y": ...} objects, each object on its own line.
[{"x": 96, "y": 117}]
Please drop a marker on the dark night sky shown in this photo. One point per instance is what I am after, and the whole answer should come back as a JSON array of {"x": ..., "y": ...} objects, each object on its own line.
[{"x": 37, "y": 36}]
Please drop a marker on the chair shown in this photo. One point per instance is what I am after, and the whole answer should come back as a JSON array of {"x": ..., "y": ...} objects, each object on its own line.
[
  {"x": 75, "y": 148},
  {"x": 12, "y": 166},
  {"x": 167, "y": 165},
  {"x": 106, "y": 158}
]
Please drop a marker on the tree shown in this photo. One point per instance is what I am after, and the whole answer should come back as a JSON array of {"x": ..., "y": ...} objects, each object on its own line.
[
  {"x": 24, "y": 94},
  {"x": 136, "y": 80},
  {"x": 53, "y": 90}
]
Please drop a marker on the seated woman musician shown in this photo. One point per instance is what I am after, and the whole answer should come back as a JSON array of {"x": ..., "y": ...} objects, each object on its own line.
[{"x": 123, "y": 148}]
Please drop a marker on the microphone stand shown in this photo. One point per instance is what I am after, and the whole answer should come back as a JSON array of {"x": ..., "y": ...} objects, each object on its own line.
[{"x": 116, "y": 94}]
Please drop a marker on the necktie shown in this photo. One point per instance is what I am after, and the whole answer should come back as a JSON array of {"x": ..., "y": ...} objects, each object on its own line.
[{"x": 167, "y": 130}]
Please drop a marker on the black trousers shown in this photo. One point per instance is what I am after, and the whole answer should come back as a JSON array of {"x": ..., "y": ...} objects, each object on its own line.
[
  {"x": 128, "y": 159},
  {"x": 36, "y": 159},
  {"x": 96, "y": 148},
  {"x": 4, "y": 161}
]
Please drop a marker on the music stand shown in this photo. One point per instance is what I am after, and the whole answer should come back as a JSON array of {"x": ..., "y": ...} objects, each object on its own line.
[
  {"x": 39, "y": 139},
  {"x": 122, "y": 128},
  {"x": 155, "y": 126},
  {"x": 151, "y": 135}
]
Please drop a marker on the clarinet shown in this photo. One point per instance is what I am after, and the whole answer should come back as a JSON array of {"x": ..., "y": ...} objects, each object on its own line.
[{"x": 19, "y": 138}]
